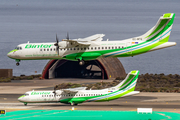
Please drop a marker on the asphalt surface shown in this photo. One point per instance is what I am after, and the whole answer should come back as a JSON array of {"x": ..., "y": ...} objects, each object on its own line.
[{"x": 9, "y": 92}]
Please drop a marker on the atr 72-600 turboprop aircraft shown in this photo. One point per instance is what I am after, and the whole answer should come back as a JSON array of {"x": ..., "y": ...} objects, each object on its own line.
[
  {"x": 78, "y": 95},
  {"x": 90, "y": 48}
]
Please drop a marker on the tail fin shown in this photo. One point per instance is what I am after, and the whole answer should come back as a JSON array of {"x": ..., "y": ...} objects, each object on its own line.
[
  {"x": 129, "y": 82},
  {"x": 161, "y": 29}
]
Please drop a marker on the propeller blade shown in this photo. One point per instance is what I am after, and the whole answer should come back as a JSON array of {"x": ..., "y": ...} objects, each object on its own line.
[
  {"x": 57, "y": 50},
  {"x": 57, "y": 38},
  {"x": 67, "y": 36},
  {"x": 56, "y": 44},
  {"x": 57, "y": 41}
]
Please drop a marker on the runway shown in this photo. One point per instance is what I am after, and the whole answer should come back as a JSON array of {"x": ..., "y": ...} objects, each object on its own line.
[{"x": 167, "y": 102}]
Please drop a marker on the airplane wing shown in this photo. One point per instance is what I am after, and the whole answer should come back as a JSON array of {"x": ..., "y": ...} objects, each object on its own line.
[
  {"x": 69, "y": 91},
  {"x": 78, "y": 88},
  {"x": 73, "y": 90},
  {"x": 87, "y": 40}
]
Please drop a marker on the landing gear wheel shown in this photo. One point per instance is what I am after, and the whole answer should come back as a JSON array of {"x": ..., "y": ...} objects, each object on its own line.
[
  {"x": 72, "y": 103},
  {"x": 25, "y": 104},
  {"x": 75, "y": 104},
  {"x": 17, "y": 64},
  {"x": 81, "y": 62}
]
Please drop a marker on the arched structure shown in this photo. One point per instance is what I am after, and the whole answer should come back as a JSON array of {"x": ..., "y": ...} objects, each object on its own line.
[{"x": 104, "y": 68}]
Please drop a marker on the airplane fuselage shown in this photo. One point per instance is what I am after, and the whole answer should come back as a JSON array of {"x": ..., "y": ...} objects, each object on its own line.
[
  {"x": 36, "y": 51},
  {"x": 49, "y": 96}
]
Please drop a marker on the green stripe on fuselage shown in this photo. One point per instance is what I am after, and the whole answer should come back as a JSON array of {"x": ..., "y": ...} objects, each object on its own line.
[{"x": 13, "y": 51}]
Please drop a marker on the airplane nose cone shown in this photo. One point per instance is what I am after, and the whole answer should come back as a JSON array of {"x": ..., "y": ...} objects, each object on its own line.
[
  {"x": 12, "y": 54},
  {"x": 19, "y": 99},
  {"x": 9, "y": 54}
]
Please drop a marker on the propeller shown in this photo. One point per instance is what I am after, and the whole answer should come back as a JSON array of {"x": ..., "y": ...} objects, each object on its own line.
[
  {"x": 55, "y": 90},
  {"x": 56, "y": 44}
]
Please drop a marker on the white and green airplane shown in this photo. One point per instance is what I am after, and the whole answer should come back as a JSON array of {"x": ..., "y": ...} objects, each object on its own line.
[
  {"x": 79, "y": 95},
  {"x": 90, "y": 48}
]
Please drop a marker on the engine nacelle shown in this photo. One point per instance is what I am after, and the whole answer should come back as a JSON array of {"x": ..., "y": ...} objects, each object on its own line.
[
  {"x": 66, "y": 44},
  {"x": 63, "y": 44}
]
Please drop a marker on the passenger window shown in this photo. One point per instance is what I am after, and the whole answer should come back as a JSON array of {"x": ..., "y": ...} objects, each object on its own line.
[
  {"x": 102, "y": 47},
  {"x": 74, "y": 48},
  {"x": 98, "y": 47},
  {"x": 77, "y": 48},
  {"x": 112, "y": 47},
  {"x": 122, "y": 47},
  {"x": 47, "y": 49},
  {"x": 119, "y": 47},
  {"x": 84, "y": 48},
  {"x": 44, "y": 49},
  {"x": 81, "y": 48},
  {"x": 109, "y": 47},
  {"x": 105, "y": 47},
  {"x": 91, "y": 48},
  {"x": 115, "y": 47},
  {"x": 95, "y": 48},
  {"x": 40, "y": 49},
  {"x": 51, "y": 49}
]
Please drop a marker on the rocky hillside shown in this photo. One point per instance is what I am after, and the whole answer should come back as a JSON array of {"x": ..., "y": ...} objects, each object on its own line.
[{"x": 146, "y": 83}]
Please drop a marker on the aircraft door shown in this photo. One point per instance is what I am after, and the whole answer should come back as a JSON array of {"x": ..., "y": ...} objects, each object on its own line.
[{"x": 129, "y": 48}]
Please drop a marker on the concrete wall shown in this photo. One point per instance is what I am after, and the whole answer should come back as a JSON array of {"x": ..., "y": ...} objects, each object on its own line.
[{"x": 6, "y": 72}]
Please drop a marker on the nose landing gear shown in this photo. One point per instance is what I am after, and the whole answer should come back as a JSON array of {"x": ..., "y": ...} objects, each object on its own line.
[{"x": 18, "y": 62}]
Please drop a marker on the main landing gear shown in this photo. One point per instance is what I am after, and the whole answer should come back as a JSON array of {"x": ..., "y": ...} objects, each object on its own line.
[
  {"x": 81, "y": 62},
  {"x": 25, "y": 104},
  {"x": 73, "y": 104}
]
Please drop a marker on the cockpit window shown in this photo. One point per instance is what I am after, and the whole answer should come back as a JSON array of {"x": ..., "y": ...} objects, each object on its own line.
[
  {"x": 18, "y": 48},
  {"x": 26, "y": 94}
]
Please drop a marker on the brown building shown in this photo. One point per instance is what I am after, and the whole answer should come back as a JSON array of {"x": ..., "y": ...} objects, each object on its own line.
[{"x": 6, "y": 73}]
